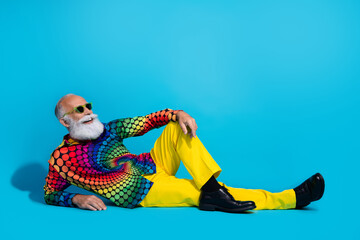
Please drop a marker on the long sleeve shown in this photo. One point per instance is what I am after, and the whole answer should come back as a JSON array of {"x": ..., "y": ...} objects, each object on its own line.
[
  {"x": 54, "y": 186},
  {"x": 137, "y": 126}
]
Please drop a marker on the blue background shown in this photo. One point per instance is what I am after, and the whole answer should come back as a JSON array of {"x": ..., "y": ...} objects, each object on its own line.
[{"x": 273, "y": 86}]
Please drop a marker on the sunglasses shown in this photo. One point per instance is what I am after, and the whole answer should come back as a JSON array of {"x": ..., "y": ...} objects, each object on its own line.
[{"x": 80, "y": 109}]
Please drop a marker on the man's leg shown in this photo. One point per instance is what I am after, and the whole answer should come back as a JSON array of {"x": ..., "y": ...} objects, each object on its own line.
[
  {"x": 169, "y": 191},
  {"x": 173, "y": 145},
  {"x": 265, "y": 199}
]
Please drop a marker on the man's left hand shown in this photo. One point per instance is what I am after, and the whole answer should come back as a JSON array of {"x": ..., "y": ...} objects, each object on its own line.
[{"x": 187, "y": 123}]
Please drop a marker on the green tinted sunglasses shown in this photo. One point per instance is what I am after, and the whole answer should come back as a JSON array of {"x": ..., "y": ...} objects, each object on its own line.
[{"x": 80, "y": 109}]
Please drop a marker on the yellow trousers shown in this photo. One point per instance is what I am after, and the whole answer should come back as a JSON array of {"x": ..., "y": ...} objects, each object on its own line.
[{"x": 174, "y": 146}]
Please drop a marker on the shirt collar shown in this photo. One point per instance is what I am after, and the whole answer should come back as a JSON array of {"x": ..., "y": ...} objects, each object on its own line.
[{"x": 69, "y": 141}]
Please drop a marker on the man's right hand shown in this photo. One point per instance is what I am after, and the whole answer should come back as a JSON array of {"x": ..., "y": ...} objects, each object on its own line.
[{"x": 90, "y": 202}]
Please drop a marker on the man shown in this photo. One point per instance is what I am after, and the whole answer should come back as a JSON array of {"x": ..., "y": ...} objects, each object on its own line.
[{"x": 92, "y": 156}]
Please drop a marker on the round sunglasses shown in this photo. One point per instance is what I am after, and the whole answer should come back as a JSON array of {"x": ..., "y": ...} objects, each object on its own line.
[{"x": 80, "y": 108}]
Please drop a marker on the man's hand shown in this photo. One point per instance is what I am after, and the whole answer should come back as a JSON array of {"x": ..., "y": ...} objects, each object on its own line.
[
  {"x": 187, "y": 123},
  {"x": 90, "y": 202}
]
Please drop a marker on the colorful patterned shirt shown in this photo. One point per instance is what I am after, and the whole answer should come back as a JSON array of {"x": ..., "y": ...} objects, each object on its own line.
[{"x": 104, "y": 166}]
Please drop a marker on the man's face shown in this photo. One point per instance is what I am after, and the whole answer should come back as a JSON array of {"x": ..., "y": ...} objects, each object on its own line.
[
  {"x": 73, "y": 101},
  {"x": 84, "y": 125}
]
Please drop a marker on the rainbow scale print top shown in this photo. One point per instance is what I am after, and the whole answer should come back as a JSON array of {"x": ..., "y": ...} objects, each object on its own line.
[{"x": 104, "y": 166}]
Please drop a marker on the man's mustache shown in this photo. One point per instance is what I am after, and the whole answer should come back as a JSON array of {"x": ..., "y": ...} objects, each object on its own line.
[{"x": 87, "y": 118}]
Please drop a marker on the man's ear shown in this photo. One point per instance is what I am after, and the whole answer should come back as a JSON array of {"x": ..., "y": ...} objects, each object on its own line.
[{"x": 64, "y": 122}]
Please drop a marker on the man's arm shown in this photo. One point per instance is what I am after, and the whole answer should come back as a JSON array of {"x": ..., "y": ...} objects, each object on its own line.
[
  {"x": 54, "y": 187},
  {"x": 137, "y": 126},
  {"x": 55, "y": 194}
]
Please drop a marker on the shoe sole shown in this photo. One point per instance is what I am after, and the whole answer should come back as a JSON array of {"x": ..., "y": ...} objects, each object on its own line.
[{"x": 208, "y": 207}]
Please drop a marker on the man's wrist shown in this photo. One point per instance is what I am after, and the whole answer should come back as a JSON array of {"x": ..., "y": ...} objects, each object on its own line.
[
  {"x": 74, "y": 200},
  {"x": 177, "y": 114}
]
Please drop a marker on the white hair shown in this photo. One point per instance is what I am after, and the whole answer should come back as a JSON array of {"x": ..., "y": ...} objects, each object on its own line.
[
  {"x": 85, "y": 131},
  {"x": 59, "y": 109}
]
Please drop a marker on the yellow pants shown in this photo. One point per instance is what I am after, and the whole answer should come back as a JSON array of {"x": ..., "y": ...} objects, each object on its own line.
[{"x": 174, "y": 146}]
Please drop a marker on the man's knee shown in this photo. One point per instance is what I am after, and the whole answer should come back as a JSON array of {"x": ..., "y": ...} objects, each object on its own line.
[{"x": 173, "y": 126}]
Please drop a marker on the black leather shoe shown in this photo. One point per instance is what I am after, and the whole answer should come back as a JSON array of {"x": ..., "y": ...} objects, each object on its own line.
[
  {"x": 310, "y": 190},
  {"x": 222, "y": 200}
]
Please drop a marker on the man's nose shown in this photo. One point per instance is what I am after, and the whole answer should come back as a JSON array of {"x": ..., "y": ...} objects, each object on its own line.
[{"x": 87, "y": 111}]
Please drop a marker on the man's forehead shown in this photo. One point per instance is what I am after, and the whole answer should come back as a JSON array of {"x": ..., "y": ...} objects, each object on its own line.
[{"x": 73, "y": 101}]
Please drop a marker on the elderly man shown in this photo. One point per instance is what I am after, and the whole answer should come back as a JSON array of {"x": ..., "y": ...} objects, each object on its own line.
[{"x": 92, "y": 156}]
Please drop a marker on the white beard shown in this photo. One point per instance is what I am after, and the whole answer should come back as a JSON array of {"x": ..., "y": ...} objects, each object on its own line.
[{"x": 82, "y": 131}]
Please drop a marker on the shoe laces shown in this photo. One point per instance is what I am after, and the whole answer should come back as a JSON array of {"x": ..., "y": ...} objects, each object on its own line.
[{"x": 227, "y": 191}]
